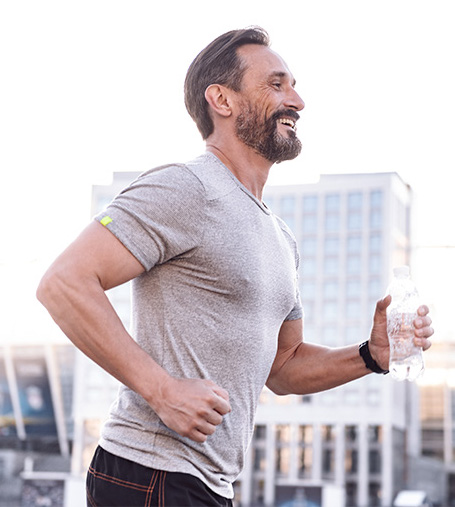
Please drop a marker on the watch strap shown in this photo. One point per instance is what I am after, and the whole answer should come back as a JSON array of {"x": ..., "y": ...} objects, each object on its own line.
[{"x": 370, "y": 363}]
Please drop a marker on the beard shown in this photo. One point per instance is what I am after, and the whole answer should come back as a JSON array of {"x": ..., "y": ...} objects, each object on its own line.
[{"x": 262, "y": 134}]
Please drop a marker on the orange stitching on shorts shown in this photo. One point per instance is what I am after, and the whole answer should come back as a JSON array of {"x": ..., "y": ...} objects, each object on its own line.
[
  {"x": 118, "y": 482},
  {"x": 90, "y": 498},
  {"x": 161, "y": 490},
  {"x": 151, "y": 487}
]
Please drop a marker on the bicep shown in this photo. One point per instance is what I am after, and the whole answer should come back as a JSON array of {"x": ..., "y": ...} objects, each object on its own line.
[
  {"x": 98, "y": 253},
  {"x": 289, "y": 339}
]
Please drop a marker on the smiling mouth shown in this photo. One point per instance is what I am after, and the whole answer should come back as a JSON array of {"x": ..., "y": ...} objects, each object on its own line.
[{"x": 289, "y": 122}]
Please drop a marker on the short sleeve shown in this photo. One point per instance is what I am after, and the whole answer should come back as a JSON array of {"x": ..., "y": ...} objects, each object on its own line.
[
  {"x": 159, "y": 216},
  {"x": 297, "y": 311}
]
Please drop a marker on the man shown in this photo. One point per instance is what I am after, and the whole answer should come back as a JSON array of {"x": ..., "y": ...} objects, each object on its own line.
[{"x": 216, "y": 310}]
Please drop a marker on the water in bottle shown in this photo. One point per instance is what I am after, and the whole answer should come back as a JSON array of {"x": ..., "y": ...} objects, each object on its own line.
[{"x": 406, "y": 359}]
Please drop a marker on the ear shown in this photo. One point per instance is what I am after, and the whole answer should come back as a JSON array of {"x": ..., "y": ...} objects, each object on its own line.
[{"x": 218, "y": 97}]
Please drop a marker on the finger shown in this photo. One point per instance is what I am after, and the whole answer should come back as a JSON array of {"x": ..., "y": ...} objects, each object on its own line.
[
  {"x": 222, "y": 406},
  {"x": 425, "y": 332},
  {"x": 214, "y": 418},
  {"x": 205, "y": 428},
  {"x": 424, "y": 343},
  {"x": 221, "y": 392},
  {"x": 381, "y": 309},
  {"x": 198, "y": 436},
  {"x": 422, "y": 322},
  {"x": 423, "y": 310}
]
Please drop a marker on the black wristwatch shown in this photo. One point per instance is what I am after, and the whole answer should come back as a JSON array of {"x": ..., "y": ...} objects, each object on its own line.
[{"x": 370, "y": 363}]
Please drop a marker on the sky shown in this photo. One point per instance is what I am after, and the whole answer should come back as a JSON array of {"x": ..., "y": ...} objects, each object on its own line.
[{"x": 93, "y": 87}]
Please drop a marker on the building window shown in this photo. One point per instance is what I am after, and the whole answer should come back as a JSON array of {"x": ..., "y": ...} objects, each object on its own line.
[
  {"x": 330, "y": 289},
  {"x": 374, "y": 460},
  {"x": 330, "y": 336},
  {"x": 354, "y": 264},
  {"x": 308, "y": 246},
  {"x": 375, "y": 242},
  {"x": 259, "y": 461},
  {"x": 330, "y": 310},
  {"x": 331, "y": 266},
  {"x": 353, "y": 309},
  {"x": 374, "y": 288},
  {"x": 308, "y": 290},
  {"x": 375, "y": 264},
  {"x": 354, "y": 221},
  {"x": 332, "y": 222},
  {"x": 308, "y": 266},
  {"x": 376, "y": 219},
  {"x": 355, "y": 200},
  {"x": 282, "y": 461},
  {"x": 328, "y": 463},
  {"x": 351, "y": 434},
  {"x": 269, "y": 202},
  {"x": 309, "y": 224},
  {"x": 332, "y": 202},
  {"x": 354, "y": 245},
  {"x": 328, "y": 433},
  {"x": 305, "y": 459},
  {"x": 374, "y": 434},
  {"x": 353, "y": 334},
  {"x": 310, "y": 204},
  {"x": 332, "y": 246},
  {"x": 260, "y": 432},
  {"x": 282, "y": 453},
  {"x": 258, "y": 491},
  {"x": 306, "y": 434},
  {"x": 305, "y": 462},
  {"x": 310, "y": 330},
  {"x": 351, "y": 462},
  {"x": 283, "y": 433},
  {"x": 376, "y": 197},
  {"x": 289, "y": 220},
  {"x": 287, "y": 205},
  {"x": 353, "y": 288},
  {"x": 374, "y": 494},
  {"x": 351, "y": 494},
  {"x": 309, "y": 313}
]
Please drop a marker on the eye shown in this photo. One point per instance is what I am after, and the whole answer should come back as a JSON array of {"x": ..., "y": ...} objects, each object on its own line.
[{"x": 276, "y": 85}]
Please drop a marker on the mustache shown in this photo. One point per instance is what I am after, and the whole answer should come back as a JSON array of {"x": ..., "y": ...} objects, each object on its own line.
[{"x": 285, "y": 113}]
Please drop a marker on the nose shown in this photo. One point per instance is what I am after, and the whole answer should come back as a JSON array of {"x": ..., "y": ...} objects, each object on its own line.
[{"x": 294, "y": 101}]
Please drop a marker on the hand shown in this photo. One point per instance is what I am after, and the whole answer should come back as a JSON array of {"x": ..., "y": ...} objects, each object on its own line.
[
  {"x": 379, "y": 341},
  {"x": 192, "y": 407}
]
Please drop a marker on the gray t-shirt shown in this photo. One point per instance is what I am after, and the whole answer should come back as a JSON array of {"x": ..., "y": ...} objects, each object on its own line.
[{"x": 220, "y": 279}]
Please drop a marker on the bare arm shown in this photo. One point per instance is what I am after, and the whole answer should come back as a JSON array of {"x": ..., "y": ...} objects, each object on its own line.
[
  {"x": 304, "y": 368},
  {"x": 73, "y": 291}
]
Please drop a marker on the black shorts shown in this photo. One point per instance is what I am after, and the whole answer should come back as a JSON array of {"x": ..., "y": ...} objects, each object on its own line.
[{"x": 118, "y": 482}]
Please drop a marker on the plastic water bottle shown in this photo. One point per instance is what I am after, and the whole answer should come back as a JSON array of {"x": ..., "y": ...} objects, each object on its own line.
[{"x": 406, "y": 359}]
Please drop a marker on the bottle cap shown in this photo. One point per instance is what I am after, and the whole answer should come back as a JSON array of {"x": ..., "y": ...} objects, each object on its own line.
[{"x": 401, "y": 271}]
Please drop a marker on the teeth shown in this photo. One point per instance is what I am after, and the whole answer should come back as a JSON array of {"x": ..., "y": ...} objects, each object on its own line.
[{"x": 287, "y": 121}]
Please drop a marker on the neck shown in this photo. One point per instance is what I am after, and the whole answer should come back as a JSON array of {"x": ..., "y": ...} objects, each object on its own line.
[{"x": 251, "y": 169}]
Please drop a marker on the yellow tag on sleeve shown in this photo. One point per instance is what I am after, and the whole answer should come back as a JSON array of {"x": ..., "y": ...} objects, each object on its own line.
[{"x": 105, "y": 220}]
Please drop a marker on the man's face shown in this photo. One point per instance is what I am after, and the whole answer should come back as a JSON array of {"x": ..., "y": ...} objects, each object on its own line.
[{"x": 268, "y": 106}]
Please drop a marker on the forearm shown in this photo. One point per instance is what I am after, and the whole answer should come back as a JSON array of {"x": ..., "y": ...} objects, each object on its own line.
[
  {"x": 313, "y": 368},
  {"x": 84, "y": 313}
]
